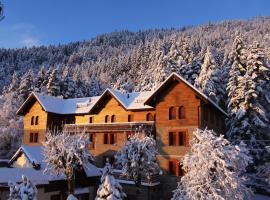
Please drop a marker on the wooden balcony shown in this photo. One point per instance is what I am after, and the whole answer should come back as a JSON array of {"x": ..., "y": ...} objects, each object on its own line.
[{"x": 148, "y": 126}]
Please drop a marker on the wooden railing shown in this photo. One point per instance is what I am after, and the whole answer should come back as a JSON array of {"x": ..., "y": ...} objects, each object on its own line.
[{"x": 116, "y": 126}]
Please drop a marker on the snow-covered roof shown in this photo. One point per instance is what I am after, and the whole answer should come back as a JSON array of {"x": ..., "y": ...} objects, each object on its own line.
[
  {"x": 61, "y": 106},
  {"x": 37, "y": 176},
  {"x": 130, "y": 101},
  {"x": 189, "y": 85},
  {"x": 33, "y": 153}
]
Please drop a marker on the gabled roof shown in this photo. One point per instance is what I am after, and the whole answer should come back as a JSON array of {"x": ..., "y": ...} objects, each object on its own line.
[
  {"x": 175, "y": 76},
  {"x": 58, "y": 105},
  {"x": 129, "y": 101}
]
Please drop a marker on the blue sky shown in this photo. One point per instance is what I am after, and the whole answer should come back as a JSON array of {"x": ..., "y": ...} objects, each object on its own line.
[{"x": 44, "y": 22}]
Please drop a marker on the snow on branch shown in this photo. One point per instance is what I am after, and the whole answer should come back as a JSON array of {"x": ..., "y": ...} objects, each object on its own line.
[
  {"x": 138, "y": 157},
  {"x": 24, "y": 191},
  {"x": 214, "y": 169},
  {"x": 66, "y": 153}
]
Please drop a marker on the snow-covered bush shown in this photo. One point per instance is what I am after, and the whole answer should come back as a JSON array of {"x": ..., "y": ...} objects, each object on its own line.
[
  {"x": 214, "y": 169},
  {"x": 138, "y": 157},
  {"x": 24, "y": 191},
  {"x": 109, "y": 189},
  {"x": 66, "y": 153}
]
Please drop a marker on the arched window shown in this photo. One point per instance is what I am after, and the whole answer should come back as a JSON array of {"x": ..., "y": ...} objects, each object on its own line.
[
  {"x": 106, "y": 118},
  {"x": 181, "y": 112},
  {"x": 149, "y": 117},
  {"x": 36, "y": 122},
  {"x": 32, "y": 120},
  {"x": 91, "y": 119},
  {"x": 113, "y": 118},
  {"x": 172, "y": 113}
]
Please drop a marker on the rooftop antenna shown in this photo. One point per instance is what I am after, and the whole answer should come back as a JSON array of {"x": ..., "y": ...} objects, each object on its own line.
[{"x": 1, "y": 11}]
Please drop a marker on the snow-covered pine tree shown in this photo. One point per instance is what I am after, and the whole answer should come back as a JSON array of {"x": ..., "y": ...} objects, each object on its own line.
[
  {"x": 53, "y": 87},
  {"x": 25, "y": 86},
  {"x": 214, "y": 169},
  {"x": 137, "y": 157},
  {"x": 249, "y": 119},
  {"x": 237, "y": 62},
  {"x": 209, "y": 79},
  {"x": 109, "y": 189},
  {"x": 13, "y": 86},
  {"x": 39, "y": 83},
  {"x": 24, "y": 191},
  {"x": 65, "y": 153}
]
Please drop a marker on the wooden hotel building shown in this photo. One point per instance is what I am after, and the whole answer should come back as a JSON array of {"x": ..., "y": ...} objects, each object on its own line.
[{"x": 171, "y": 113}]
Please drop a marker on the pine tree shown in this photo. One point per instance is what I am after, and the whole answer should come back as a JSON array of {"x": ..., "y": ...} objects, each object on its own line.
[
  {"x": 26, "y": 85},
  {"x": 208, "y": 80},
  {"x": 235, "y": 94},
  {"x": 39, "y": 83},
  {"x": 214, "y": 169},
  {"x": 53, "y": 86},
  {"x": 109, "y": 189},
  {"x": 13, "y": 86}
]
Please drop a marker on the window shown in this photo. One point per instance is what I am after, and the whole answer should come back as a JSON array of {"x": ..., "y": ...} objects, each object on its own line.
[
  {"x": 178, "y": 138},
  {"x": 172, "y": 138},
  {"x": 92, "y": 140},
  {"x": 112, "y": 138},
  {"x": 172, "y": 168},
  {"x": 91, "y": 119},
  {"x": 31, "y": 139},
  {"x": 149, "y": 117},
  {"x": 36, "y": 137},
  {"x": 181, "y": 139},
  {"x": 32, "y": 120},
  {"x": 36, "y": 122},
  {"x": 175, "y": 168},
  {"x": 106, "y": 118},
  {"x": 113, "y": 118},
  {"x": 105, "y": 139},
  {"x": 130, "y": 118},
  {"x": 109, "y": 138},
  {"x": 181, "y": 112},
  {"x": 172, "y": 113}
]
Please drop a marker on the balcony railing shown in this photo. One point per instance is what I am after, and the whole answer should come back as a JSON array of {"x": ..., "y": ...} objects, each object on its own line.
[{"x": 115, "y": 126}]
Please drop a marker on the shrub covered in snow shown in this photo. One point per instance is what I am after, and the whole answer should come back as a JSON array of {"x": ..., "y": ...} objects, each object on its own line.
[
  {"x": 110, "y": 189},
  {"x": 214, "y": 169},
  {"x": 24, "y": 191},
  {"x": 65, "y": 153},
  {"x": 138, "y": 157}
]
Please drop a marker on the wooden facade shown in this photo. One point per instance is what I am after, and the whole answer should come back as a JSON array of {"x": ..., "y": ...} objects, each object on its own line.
[{"x": 176, "y": 110}]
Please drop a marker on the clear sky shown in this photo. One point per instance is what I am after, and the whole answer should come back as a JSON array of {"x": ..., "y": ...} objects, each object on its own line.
[{"x": 43, "y": 22}]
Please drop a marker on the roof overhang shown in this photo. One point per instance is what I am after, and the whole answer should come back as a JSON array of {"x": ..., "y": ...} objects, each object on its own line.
[{"x": 176, "y": 77}]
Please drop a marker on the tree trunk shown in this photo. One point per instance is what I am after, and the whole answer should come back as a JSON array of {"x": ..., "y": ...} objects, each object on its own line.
[{"x": 70, "y": 183}]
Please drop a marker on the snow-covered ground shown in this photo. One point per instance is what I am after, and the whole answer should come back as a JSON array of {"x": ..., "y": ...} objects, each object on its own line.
[{"x": 261, "y": 197}]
